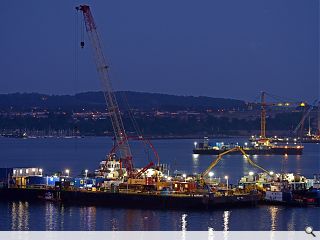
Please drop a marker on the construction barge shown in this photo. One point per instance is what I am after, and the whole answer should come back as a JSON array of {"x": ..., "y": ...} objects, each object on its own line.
[
  {"x": 111, "y": 186},
  {"x": 117, "y": 183},
  {"x": 153, "y": 188},
  {"x": 130, "y": 200},
  {"x": 256, "y": 147},
  {"x": 261, "y": 145},
  {"x": 287, "y": 189}
]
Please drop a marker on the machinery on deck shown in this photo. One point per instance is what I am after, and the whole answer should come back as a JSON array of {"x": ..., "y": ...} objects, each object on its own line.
[{"x": 219, "y": 158}]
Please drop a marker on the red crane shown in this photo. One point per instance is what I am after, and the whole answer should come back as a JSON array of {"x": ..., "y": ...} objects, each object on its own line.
[{"x": 111, "y": 102}]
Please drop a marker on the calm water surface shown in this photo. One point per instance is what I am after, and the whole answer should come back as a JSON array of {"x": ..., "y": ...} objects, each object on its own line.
[{"x": 85, "y": 153}]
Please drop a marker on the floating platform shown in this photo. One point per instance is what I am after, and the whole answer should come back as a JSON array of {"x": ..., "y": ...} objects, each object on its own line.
[
  {"x": 274, "y": 150},
  {"x": 132, "y": 200}
]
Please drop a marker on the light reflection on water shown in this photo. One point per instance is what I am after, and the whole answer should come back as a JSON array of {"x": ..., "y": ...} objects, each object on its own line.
[
  {"x": 20, "y": 216},
  {"x": 298, "y": 165},
  {"x": 273, "y": 213},
  {"x": 51, "y": 216},
  {"x": 53, "y": 154},
  {"x": 226, "y": 215},
  {"x": 88, "y": 218},
  {"x": 183, "y": 226}
]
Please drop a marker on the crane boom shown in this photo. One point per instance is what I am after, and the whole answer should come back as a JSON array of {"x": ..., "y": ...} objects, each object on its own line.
[
  {"x": 111, "y": 102},
  {"x": 217, "y": 160},
  {"x": 263, "y": 115},
  {"x": 305, "y": 115}
]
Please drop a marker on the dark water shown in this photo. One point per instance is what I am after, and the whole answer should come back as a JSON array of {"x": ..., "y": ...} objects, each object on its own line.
[{"x": 78, "y": 154}]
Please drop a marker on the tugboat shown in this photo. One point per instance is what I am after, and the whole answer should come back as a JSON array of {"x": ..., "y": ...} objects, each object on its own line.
[{"x": 286, "y": 188}]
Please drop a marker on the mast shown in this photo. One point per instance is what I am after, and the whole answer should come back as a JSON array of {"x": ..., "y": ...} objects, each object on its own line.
[
  {"x": 309, "y": 129},
  {"x": 111, "y": 102},
  {"x": 263, "y": 115}
]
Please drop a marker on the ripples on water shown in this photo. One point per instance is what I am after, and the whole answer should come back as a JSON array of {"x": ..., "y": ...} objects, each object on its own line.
[
  {"x": 52, "y": 216},
  {"x": 78, "y": 154}
]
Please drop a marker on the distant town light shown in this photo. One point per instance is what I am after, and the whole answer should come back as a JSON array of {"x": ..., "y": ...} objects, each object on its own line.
[
  {"x": 226, "y": 177},
  {"x": 195, "y": 144},
  {"x": 271, "y": 173},
  {"x": 251, "y": 173},
  {"x": 211, "y": 174}
]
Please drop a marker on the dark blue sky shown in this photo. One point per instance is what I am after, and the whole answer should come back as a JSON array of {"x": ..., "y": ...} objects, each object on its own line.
[{"x": 231, "y": 49}]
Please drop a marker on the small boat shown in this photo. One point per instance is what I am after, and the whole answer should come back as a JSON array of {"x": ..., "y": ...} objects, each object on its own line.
[{"x": 49, "y": 196}]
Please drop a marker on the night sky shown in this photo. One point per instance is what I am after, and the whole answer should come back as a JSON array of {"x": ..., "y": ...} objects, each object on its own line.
[{"x": 231, "y": 49}]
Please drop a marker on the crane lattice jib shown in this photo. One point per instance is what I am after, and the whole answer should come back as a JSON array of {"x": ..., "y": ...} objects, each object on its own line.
[
  {"x": 263, "y": 116},
  {"x": 111, "y": 102},
  {"x": 305, "y": 115},
  {"x": 218, "y": 159}
]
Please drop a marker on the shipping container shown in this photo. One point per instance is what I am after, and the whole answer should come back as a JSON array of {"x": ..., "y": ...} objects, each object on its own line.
[
  {"x": 84, "y": 182},
  {"x": 184, "y": 186},
  {"x": 50, "y": 181},
  {"x": 36, "y": 180}
]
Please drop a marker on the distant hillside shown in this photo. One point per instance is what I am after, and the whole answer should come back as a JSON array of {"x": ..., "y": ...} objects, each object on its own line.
[{"x": 95, "y": 101}]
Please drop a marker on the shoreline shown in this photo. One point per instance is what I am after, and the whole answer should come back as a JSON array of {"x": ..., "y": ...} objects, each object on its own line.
[{"x": 145, "y": 137}]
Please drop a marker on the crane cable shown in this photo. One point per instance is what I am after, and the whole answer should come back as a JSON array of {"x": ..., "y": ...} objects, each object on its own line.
[
  {"x": 76, "y": 67},
  {"x": 136, "y": 125},
  {"x": 76, "y": 51}
]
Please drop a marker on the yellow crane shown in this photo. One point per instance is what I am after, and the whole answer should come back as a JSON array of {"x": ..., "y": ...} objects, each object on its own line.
[{"x": 218, "y": 159}]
